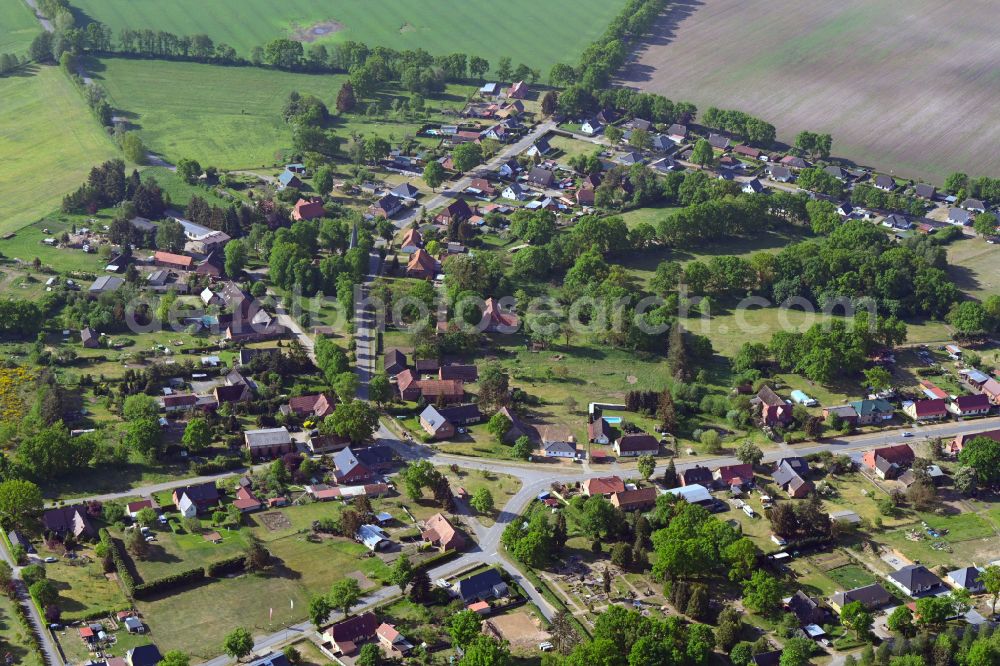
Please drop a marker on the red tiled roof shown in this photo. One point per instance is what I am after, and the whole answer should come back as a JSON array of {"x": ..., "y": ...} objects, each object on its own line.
[
  {"x": 171, "y": 258},
  {"x": 604, "y": 485}
]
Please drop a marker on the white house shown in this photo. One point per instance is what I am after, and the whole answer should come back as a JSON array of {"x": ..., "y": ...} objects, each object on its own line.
[
  {"x": 591, "y": 127},
  {"x": 514, "y": 192},
  {"x": 187, "y": 507}
]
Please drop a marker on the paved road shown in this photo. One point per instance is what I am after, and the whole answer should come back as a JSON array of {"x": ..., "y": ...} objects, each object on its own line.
[
  {"x": 48, "y": 647},
  {"x": 457, "y": 187}
]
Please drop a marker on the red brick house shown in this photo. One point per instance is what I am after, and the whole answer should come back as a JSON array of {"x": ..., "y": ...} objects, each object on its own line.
[
  {"x": 441, "y": 534},
  {"x": 888, "y": 460},
  {"x": 308, "y": 209},
  {"x": 349, "y": 470},
  {"x": 317, "y": 405},
  {"x": 448, "y": 390},
  {"x": 734, "y": 475},
  {"x": 497, "y": 320},
  {"x": 422, "y": 265},
  {"x": 957, "y": 444},
  {"x": 634, "y": 500},
  {"x": 773, "y": 410},
  {"x": 408, "y": 385}
]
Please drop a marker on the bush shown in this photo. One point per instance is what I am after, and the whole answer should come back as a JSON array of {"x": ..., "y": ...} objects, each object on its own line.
[
  {"x": 183, "y": 578},
  {"x": 230, "y": 565}
]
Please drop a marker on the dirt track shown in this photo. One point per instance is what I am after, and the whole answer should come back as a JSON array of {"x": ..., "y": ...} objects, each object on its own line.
[{"x": 907, "y": 85}]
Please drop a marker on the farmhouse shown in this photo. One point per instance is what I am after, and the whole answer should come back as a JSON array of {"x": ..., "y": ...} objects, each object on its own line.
[
  {"x": 465, "y": 373},
  {"x": 308, "y": 209},
  {"x": 888, "y": 461},
  {"x": 268, "y": 442},
  {"x": 462, "y": 414},
  {"x": 956, "y": 445},
  {"x": 773, "y": 410},
  {"x": 394, "y": 362},
  {"x": 634, "y": 500},
  {"x": 870, "y": 411},
  {"x": 872, "y": 597},
  {"x": 348, "y": 469},
  {"x": 289, "y": 179},
  {"x": 345, "y": 636},
  {"x": 598, "y": 431},
  {"x": 636, "y": 445},
  {"x": 970, "y": 405},
  {"x": 386, "y": 206},
  {"x": 718, "y": 141},
  {"x": 558, "y": 442},
  {"x": 456, "y": 210},
  {"x": 794, "y": 162},
  {"x": 405, "y": 191},
  {"x": 436, "y": 425},
  {"x": 518, "y": 90},
  {"x": 422, "y": 265},
  {"x": 392, "y": 642},
  {"x": 317, "y": 405},
  {"x": 498, "y": 320},
  {"x": 518, "y": 427},
  {"x": 806, "y": 609},
  {"x": 696, "y": 476},
  {"x": 192, "y": 500},
  {"x": 731, "y": 476},
  {"x": 440, "y": 533},
  {"x": 213, "y": 265}
]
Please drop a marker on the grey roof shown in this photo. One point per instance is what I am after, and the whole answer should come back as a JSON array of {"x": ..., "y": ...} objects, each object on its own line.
[
  {"x": 798, "y": 463},
  {"x": 785, "y": 475},
  {"x": 870, "y": 596},
  {"x": 560, "y": 447},
  {"x": 541, "y": 176},
  {"x": 718, "y": 141},
  {"x": 485, "y": 584},
  {"x": 959, "y": 215},
  {"x": 107, "y": 283},
  {"x": 968, "y": 578},
  {"x": 885, "y": 182},
  {"x": 267, "y": 437},
  {"x": 405, "y": 191},
  {"x": 973, "y": 204},
  {"x": 778, "y": 172},
  {"x": 754, "y": 185},
  {"x": 916, "y": 578},
  {"x": 433, "y": 417},
  {"x": 924, "y": 190}
]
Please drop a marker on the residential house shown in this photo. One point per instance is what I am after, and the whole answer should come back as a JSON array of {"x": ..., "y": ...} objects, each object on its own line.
[
  {"x": 872, "y": 597},
  {"x": 482, "y": 586},
  {"x": 603, "y": 485},
  {"x": 462, "y": 415},
  {"x": 143, "y": 655},
  {"x": 661, "y": 143},
  {"x": 393, "y": 643},
  {"x": 497, "y": 319},
  {"x": 89, "y": 338},
  {"x": 781, "y": 174},
  {"x": 959, "y": 216},
  {"x": 272, "y": 659},
  {"x": 483, "y": 187},
  {"x": 926, "y": 410},
  {"x": 268, "y": 443},
  {"x": 925, "y": 191},
  {"x": 246, "y": 501},
  {"x": 677, "y": 133},
  {"x": 405, "y": 191},
  {"x": 235, "y": 392},
  {"x": 178, "y": 402},
  {"x": 641, "y": 124},
  {"x": 348, "y": 469},
  {"x": 885, "y": 183},
  {"x": 456, "y": 210},
  {"x": 133, "y": 508},
  {"x": 788, "y": 479},
  {"x": 558, "y": 442},
  {"x": 845, "y": 412},
  {"x": 871, "y": 411},
  {"x": 991, "y": 389},
  {"x": 753, "y": 186},
  {"x": 509, "y": 169},
  {"x": 518, "y": 90},
  {"x": 634, "y": 500},
  {"x": 316, "y": 405},
  {"x": 68, "y": 520},
  {"x": 591, "y": 127},
  {"x": 387, "y": 206},
  {"x": 975, "y": 205},
  {"x": 769, "y": 658},
  {"x": 408, "y": 385},
  {"x": 214, "y": 265},
  {"x": 794, "y": 161},
  {"x": 18, "y": 538},
  {"x": 440, "y": 533},
  {"x": 966, "y": 578},
  {"x": 747, "y": 151},
  {"x": 541, "y": 177},
  {"x": 631, "y": 158},
  {"x": 915, "y": 580},
  {"x": 373, "y": 537},
  {"x": 513, "y": 191},
  {"x": 327, "y": 443},
  {"x": 970, "y": 405},
  {"x": 518, "y": 427},
  {"x": 734, "y": 476},
  {"x": 598, "y": 431},
  {"x": 539, "y": 148},
  {"x": 806, "y": 610},
  {"x": 194, "y": 499},
  {"x": 718, "y": 141},
  {"x": 395, "y": 362},
  {"x": 422, "y": 265},
  {"x": 308, "y": 209},
  {"x": 773, "y": 410},
  {"x": 897, "y": 221},
  {"x": 636, "y": 444},
  {"x": 887, "y": 462},
  {"x": 696, "y": 476},
  {"x": 346, "y": 636},
  {"x": 436, "y": 425},
  {"x": 585, "y": 197}
]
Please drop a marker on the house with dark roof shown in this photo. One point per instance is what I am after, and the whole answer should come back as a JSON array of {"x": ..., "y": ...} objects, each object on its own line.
[
  {"x": 915, "y": 580},
  {"x": 462, "y": 414},
  {"x": 959, "y": 216},
  {"x": 636, "y": 444},
  {"x": 975, "y": 205},
  {"x": 194, "y": 499},
  {"x": 887, "y": 462},
  {"x": 696, "y": 476},
  {"x": 387, "y": 206},
  {"x": 925, "y": 191},
  {"x": 346, "y": 636},
  {"x": 482, "y": 586},
  {"x": 926, "y": 410},
  {"x": 436, "y": 425},
  {"x": 541, "y": 177},
  {"x": 789, "y": 480},
  {"x": 456, "y": 210},
  {"x": 405, "y": 191},
  {"x": 806, "y": 609},
  {"x": 753, "y": 186},
  {"x": 780, "y": 173},
  {"x": 518, "y": 427},
  {"x": 885, "y": 183},
  {"x": 289, "y": 179},
  {"x": 106, "y": 284},
  {"x": 734, "y": 475},
  {"x": 677, "y": 132},
  {"x": 395, "y": 362},
  {"x": 598, "y": 431},
  {"x": 966, "y": 578},
  {"x": 466, "y": 373},
  {"x": 268, "y": 443},
  {"x": 540, "y": 148},
  {"x": 89, "y": 338},
  {"x": 872, "y": 597},
  {"x": 772, "y": 409},
  {"x": 213, "y": 265},
  {"x": 68, "y": 520},
  {"x": 143, "y": 655}
]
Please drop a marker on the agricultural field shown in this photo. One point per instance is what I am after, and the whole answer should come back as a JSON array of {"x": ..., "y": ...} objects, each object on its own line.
[
  {"x": 537, "y": 34},
  {"x": 229, "y": 117},
  {"x": 17, "y": 27},
  {"x": 49, "y": 141},
  {"x": 910, "y": 84}
]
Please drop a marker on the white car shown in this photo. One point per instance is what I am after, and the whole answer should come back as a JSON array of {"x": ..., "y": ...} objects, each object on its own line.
[
  {"x": 50, "y": 560},
  {"x": 907, "y": 434}
]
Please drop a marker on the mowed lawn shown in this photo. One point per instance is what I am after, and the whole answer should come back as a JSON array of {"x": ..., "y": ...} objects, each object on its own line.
[
  {"x": 49, "y": 141},
  {"x": 228, "y": 117},
  {"x": 973, "y": 266},
  {"x": 17, "y": 27},
  {"x": 537, "y": 34},
  {"x": 902, "y": 85}
]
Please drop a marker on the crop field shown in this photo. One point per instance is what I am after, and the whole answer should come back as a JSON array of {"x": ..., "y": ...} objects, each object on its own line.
[
  {"x": 228, "y": 117},
  {"x": 49, "y": 141},
  {"x": 17, "y": 27},
  {"x": 537, "y": 34},
  {"x": 904, "y": 85}
]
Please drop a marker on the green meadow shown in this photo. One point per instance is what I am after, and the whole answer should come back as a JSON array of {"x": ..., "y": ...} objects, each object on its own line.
[
  {"x": 229, "y": 117},
  {"x": 537, "y": 34},
  {"x": 49, "y": 141},
  {"x": 17, "y": 27}
]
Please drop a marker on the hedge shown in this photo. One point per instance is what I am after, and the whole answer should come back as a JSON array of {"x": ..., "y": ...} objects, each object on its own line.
[
  {"x": 115, "y": 548},
  {"x": 227, "y": 566},
  {"x": 168, "y": 582}
]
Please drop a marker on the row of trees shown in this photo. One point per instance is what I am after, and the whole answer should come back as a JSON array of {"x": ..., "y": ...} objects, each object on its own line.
[{"x": 740, "y": 124}]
